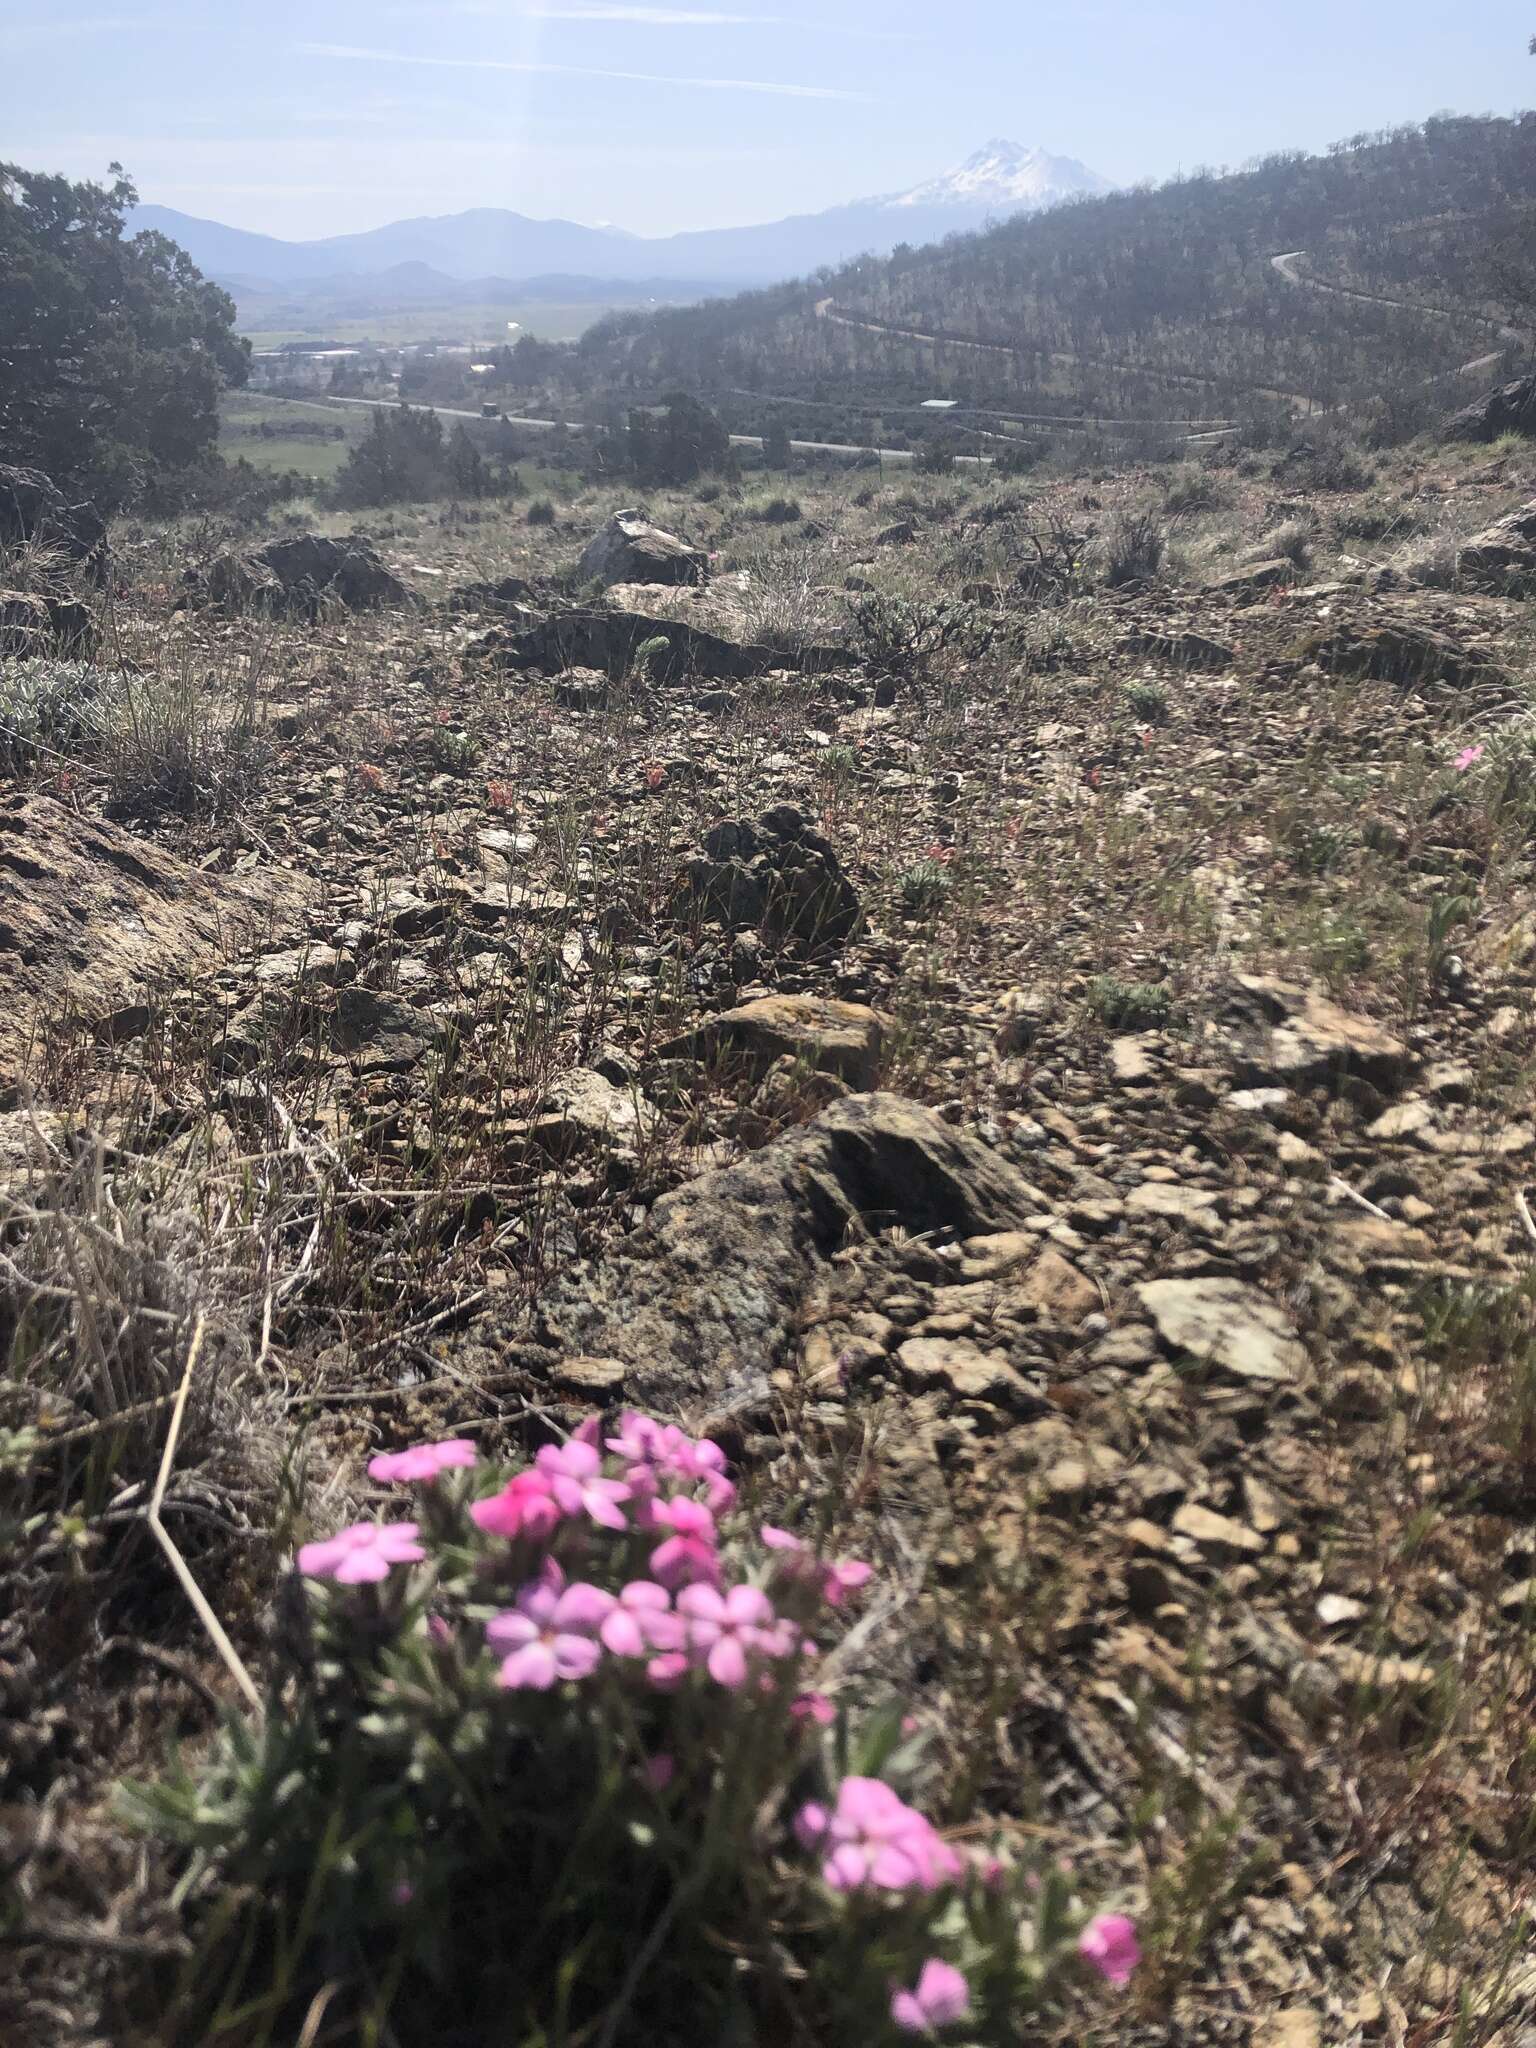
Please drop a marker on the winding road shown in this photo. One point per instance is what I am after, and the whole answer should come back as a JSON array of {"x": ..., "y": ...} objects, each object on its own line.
[{"x": 450, "y": 412}]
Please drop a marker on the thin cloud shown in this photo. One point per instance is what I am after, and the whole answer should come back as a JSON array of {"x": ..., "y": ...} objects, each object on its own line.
[
  {"x": 636, "y": 13},
  {"x": 650, "y": 17},
  {"x": 351, "y": 53},
  {"x": 35, "y": 35}
]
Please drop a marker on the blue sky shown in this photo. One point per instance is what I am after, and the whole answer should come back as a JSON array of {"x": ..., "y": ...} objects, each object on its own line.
[{"x": 311, "y": 119}]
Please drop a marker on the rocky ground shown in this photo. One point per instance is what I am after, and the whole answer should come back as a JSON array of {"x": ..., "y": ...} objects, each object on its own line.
[{"x": 1039, "y": 1057}]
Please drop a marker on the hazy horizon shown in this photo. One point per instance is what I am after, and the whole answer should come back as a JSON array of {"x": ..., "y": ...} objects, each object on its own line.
[{"x": 307, "y": 122}]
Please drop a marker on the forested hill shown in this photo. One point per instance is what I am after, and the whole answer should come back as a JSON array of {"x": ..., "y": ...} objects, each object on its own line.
[{"x": 1407, "y": 255}]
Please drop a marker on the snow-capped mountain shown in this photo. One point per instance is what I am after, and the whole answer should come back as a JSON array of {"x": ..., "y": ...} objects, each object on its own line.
[
  {"x": 493, "y": 244},
  {"x": 1005, "y": 177}
]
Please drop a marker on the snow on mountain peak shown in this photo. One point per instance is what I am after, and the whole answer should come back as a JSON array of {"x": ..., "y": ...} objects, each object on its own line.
[{"x": 1005, "y": 176}]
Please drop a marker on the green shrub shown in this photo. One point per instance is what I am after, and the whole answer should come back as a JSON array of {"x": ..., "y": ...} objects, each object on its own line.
[
  {"x": 541, "y": 512},
  {"x": 1149, "y": 701},
  {"x": 1130, "y": 1005}
]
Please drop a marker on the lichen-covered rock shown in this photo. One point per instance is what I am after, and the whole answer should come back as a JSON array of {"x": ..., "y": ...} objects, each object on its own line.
[{"x": 627, "y": 548}]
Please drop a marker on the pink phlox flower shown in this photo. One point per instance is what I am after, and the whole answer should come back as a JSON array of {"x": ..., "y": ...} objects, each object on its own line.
[
  {"x": 834, "y": 1581},
  {"x": 688, "y": 1555},
  {"x": 941, "y": 1996},
  {"x": 726, "y": 1631},
  {"x": 1468, "y": 758},
  {"x": 656, "y": 1451},
  {"x": 642, "y": 1620},
  {"x": 657, "y": 1772},
  {"x": 526, "y": 1506},
  {"x": 422, "y": 1461},
  {"x": 1109, "y": 1944},
  {"x": 667, "y": 1671},
  {"x": 573, "y": 1473},
  {"x": 874, "y": 1838},
  {"x": 814, "y": 1707},
  {"x": 363, "y": 1553},
  {"x": 553, "y": 1632}
]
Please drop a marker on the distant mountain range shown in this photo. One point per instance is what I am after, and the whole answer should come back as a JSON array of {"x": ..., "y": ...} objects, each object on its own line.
[{"x": 489, "y": 242}]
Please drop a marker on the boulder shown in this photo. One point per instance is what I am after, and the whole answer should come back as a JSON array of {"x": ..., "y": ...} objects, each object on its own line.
[
  {"x": 90, "y": 915},
  {"x": 1502, "y": 558},
  {"x": 1397, "y": 650},
  {"x": 299, "y": 577},
  {"x": 827, "y": 1037},
  {"x": 627, "y": 548},
  {"x": 611, "y": 640},
  {"x": 1509, "y": 410},
  {"x": 707, "y": 1297},
  {"x": 33, "y": 509},
  {"x": 43, "y": 622},
  {"x": 777, "y": 875}
]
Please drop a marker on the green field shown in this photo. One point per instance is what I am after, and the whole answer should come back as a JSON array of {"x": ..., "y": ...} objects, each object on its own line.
[
  {"x": 270, "y": 321},
  {"x": 243, "y": 414}
]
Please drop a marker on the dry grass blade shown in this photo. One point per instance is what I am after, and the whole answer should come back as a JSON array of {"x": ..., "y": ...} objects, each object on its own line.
[{"x": 217, "y": 1634}]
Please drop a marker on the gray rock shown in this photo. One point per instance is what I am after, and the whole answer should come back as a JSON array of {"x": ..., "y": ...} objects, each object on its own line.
[
  {"x": 706, "y": 1298},
  {"x": 1509, "y": 410},
  {"x": 627, "y": 548},
  {"x": 1229, "y": 1325}
]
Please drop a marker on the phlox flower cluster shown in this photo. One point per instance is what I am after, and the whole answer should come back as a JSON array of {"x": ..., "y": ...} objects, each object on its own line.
[{"x": 603, "y": 1563}]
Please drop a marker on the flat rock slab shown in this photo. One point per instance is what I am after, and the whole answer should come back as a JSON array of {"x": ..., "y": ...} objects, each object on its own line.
[
  {"x": 610, "y": 641},
  {"x": 1228, "y": 1325},
  {"x": 705, "y": 1299},
  {"x": 826, "y": 1036},
  {"x": 91, "y": 916},
  {"x": 1288, "y": 1036}
]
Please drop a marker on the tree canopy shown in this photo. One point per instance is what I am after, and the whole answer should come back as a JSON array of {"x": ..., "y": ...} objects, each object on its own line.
[{"x": 114, "y": 347}]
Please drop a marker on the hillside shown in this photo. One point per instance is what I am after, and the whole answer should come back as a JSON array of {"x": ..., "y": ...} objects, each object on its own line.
[{"x": 1156, "y": 303}]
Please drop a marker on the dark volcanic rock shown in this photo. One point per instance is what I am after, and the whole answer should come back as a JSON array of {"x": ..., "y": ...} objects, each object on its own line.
[
  {"x": 33, "y": 509},
  {"x": 39, "y": 622},
  {"x": 1398, "y": 651},
  {"x": 704, "y": 1300},
  {"x": 1509, "y": 410},
  {"x": 300, "y": 576},
  {"x": 609, "y": 640},
  {"x": 778, "y": 875}
]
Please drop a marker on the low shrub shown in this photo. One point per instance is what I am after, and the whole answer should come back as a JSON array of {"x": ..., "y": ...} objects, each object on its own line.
[
  {"x": 541, "y": 512},
  {"x": 47, "y": 707},
  {"x": 1130, "y": 1005},
  {"x": 777, "y": 511},
  {"x": 1134, "y": 549},
  {"x": 547, "y": 1764}
]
